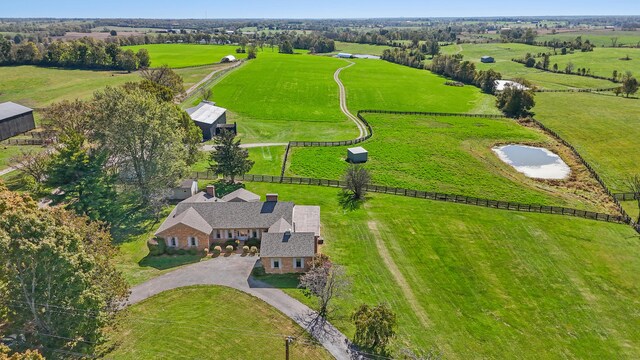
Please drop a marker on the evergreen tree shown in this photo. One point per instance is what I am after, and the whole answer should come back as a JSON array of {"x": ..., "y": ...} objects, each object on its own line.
[{"x": 229, "y": 159}]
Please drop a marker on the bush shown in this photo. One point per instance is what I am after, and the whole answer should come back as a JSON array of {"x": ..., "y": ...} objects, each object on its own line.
[
  {"x": 228, "y": 249},
  {"x": 258, "y": 271},
  {"x": 254, "y": 250},
  {"x": 156, "y": 246},
  {"x": 192, "y": 251},
  {"x": 231, "y": 243},
  {"x": 245, "y": 249},
  {"x": 253, "y": 242},
  {"x": 171, "y": 251},
  {"x": 181, "y": 252}
]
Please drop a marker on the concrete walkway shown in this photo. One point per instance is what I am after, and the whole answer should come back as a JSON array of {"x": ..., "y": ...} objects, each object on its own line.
[{"x": 234, "y": 272}]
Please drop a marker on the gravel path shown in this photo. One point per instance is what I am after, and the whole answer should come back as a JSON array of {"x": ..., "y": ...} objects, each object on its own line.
[
  {"x": 343, "y": 101},
  {"x": 234, "y": 272}
]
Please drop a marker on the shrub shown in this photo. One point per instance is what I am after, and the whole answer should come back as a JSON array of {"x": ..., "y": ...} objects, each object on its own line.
[
  {"x": 258, "y": 271},
  {"x": 245, "y": 249},
  {"x": 254, "y": 250},
  {"x": 253, "y": 242},
  {"x": 182, "y": 252},
  {"x": 229, "y": 248},
  {"x": 192, "y": 251},
  {"x": 171, "y": 251},
  {"x": 156, "y": 246},
  {"x": 231, "y": 243},
  {"x": 217, "y": 249}
]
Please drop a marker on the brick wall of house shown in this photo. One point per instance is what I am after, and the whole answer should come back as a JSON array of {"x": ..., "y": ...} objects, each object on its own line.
[
  {"x": 286, "y": 265},
  {"x": 183, "y": 232}
]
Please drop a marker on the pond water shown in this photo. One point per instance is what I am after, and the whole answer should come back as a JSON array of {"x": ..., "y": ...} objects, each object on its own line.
[{"x": 533, "y": 162}]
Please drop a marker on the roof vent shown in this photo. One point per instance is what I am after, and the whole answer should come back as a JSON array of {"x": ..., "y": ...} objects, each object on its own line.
[{"x": 272, "y": 197}]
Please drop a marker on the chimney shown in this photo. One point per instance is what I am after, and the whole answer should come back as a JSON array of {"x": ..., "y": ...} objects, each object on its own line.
[
  {"x": 211, "y": 190},
  {"x": 272, "y": 197}
]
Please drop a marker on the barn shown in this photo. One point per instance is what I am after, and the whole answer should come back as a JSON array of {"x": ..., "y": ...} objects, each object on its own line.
[
  {"x": 209, "y": 118},
  {"x": 357, "y": 155},
  {"x": 487, "y": 59},
  {"x": 228, "y": 59},
  {"x": 15, "y": 119}
]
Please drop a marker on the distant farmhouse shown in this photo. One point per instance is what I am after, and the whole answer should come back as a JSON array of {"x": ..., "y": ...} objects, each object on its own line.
[
  {"x": 487, "y": 59},
  {"x": 289, "y": 233},
  {"x": 15, "y": 119},
  {"x": 211, "y": 119}
]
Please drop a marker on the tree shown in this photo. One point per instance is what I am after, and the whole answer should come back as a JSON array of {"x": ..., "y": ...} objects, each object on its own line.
[
  {"x": 27, "y": 53},
  {"x": 144, "y": 138},
  {"x": 34, "y": 164},
  {"x": 327, "y": 282},
  {"x": 486, "y": 80},
  {"x": 252, "y": 53},
  {"x": 634, "y": 185},
  {"x": 5, "y": 354},
  {"x": 5, "y": 50},
  {"x": 229, "y": 159},
  {"x": 555, "y": 67},
  {"x": 286, "y": 47},
  {"x": 375, "y": 327},
  {"x": 356, "y": 177},
  {"x": 164, "y": 76},
  {"x": 144, "y": 60},
  {"x": 515, "y": 101},
  {"x": 59, "y": 280},
  {"x": 569, "y": 68},
  {"x": 68, "y": 118},
  {"x": 614, "y": 41},
  {"x": 614, "y": 75},
  {"x": 113, "y": 33},
  {"x": 629, "y": 84},
  {"x": 127, "y": 60}
]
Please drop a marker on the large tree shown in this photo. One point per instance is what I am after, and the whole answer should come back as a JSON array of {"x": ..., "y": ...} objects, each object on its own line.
[
  {"x": 375, "y": 327},
  {"x": 59, "y": 282},
  {"x": 356, "y": 177},
  {"x": 486, "y": 80},
  {"x": 144, "y": 137},
  {"x": 634, "y": 186},
  {"x": 164, "y": 76},
  {"x": 229, "y": 159},
  {"x": 327, "y": 282},
  {"x": 629, "y": 84},
  {"x": 515, "y": 101}
]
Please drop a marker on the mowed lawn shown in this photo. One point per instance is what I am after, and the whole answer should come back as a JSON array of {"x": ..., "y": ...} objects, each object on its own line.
[
  {"x": 602, "y": 61},
  {"x": 279, "y": 97},
  {"x": 267, "y": 160},
  {"x": 185, "y": 55},
  {"x": 604, "y": 129},
  {"x": 207, "y": 322},
  {"x": 444, "y": 154},
  {"x": 483, "y": 283},
  {"x": 9, "y": 151},
  {"x": 600, "y": 38},
  {"x": 504, "y": 52}
]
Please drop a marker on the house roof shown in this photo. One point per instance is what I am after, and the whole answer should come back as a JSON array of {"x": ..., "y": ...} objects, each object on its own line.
[
  {"x": 280, "y": 226},
  {"x": 10, "y": 109},
  {"x": 206, "y": 112},
  {"x": 190, "y": 218},
  {"x": 298, "y": 244},
  {"x": 357, "y": 150},
  {"x": 201, "y": 197},
  {"x": 241, "y": 195},
  {"x": 186, "y": 184},
  {"x": 306, "y": 219}
]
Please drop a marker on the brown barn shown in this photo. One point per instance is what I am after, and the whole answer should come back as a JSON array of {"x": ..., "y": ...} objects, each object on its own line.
[{"x": 15, "y": 119}]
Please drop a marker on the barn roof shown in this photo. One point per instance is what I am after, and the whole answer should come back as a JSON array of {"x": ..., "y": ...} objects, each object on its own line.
[
  {"x": 206, "y": 112},
  {"x": 10, "y": 109}
]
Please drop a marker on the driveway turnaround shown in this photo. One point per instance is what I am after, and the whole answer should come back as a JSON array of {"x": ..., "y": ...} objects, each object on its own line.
[{"x": 234, "y": 272}]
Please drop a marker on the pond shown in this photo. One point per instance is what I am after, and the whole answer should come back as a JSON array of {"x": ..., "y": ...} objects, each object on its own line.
[{"x": 533, "y": 162}]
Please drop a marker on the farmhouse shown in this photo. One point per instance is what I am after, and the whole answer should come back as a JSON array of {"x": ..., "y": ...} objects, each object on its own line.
[
  {"x": 357, "y": 155},
  {"x": 289, "y": 233},
  {"x": 487, "y": 59},
  {"x": 228, "y": 59},
  {"x": 15, "y": 119},
  {"x": 211, "y": 119}
]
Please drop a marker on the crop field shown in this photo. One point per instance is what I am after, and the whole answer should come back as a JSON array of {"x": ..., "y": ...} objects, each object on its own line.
[
  {"x": 504, "y": 52},
  {"x": 602, "y": 61},
  {"x": 605, "y": 129},
  {"x": 449, "y": 155},
  {"x": 233, "y": 325},
  {"x": 459, "y": 279},
  {"x": 185, "y": 55},
  {"x": 38, "y": 86},
  {"x": 600, "y": 38},
  {"x": 285, "y": 97}
]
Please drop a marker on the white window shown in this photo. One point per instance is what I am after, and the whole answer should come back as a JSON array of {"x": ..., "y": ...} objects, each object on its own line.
[
  {"x": 173, "y": 242},
  {"x": 275, "y": 263},
  {"x": 193, "y": 241},
  {"x": 298, "y": 263}
]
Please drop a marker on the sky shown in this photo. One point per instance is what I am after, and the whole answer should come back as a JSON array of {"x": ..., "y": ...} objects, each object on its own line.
[{"x": 216, "y": 9}]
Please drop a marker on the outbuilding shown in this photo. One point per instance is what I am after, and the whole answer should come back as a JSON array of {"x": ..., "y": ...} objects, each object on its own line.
[
  {"x": 185, "y": 190},
  {"x": 15, "y": 119},
  {"x": 357, "y": 155},
  {"x": 228, "y": 59},
  {"x": 209, "y": 118},
  {"x": 487, "y": 59},
  {"x": 345, "y": 55}
]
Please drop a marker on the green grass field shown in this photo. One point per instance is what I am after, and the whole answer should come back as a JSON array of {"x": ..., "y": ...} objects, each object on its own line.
[
  {"x": 207, "y": 322},
  {"x": 185, "y": 55},
  {"x": 600, "y": 38},
  {"x": 605, "y": 130},
  {"x": 268, "y": 160},
  {"x": 444, "y": 154},
  {"x": 602, "y": 61},
  {"x": 483, "y": 283},
  {"x": 9, "y": 151},
  {"x": 504, "y": 52},
  {"x": 361, "y": 49}
]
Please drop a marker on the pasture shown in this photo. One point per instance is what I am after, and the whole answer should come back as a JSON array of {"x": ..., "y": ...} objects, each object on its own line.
[
  {"x": 186, "y": 55},
  {"x": 460, "y": 279},
  {"x": 598, "y": 37},
  {"x": 605, "y": 129},
  {"x": 206, "y": 322},
  {"x": 451, "y": 155},
  {"x": 602, "y": 61},
  {"x": 267, "y": 160},
  {"x": 362, "y": 49}
]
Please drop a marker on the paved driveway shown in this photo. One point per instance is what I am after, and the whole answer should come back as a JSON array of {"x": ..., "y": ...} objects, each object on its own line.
[{"x": 234, "y": 272}]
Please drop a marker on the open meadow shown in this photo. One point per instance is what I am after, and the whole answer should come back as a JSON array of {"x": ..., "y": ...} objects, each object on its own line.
[
  {"x": 598, "y": 37},
  {"x": 461, "y": 277},
  {"x": 451, "y": 155},
  {"x": 186, "y": 55},
  {"x": 602, "y": 61},
  {"x": 233, "y": 325}
]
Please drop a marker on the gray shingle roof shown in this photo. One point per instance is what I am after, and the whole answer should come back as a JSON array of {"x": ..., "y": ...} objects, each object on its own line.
[
  {"x": 280, "y": 226},
  {"x": 307, "y": 219},
  {"x": 241, "y": 195},
  {"x": 189, "y": 217},
  {"x": 297, "y": 244},
  {"x": 10, "y": 109}
]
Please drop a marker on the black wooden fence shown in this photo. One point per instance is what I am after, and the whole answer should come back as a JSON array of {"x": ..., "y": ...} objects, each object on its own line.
[
  {"x": 454, "y": 198},
  {"x": 626, "y": 196},
  {"x": 575, "y": 90},
  {"x": 23, "y": 142}
]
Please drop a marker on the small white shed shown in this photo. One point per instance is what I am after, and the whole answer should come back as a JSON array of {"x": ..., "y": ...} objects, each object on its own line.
[
  {"x": 357, "y": 155},
  {"x": 185, "y": 190},
  {"x": 228, "y": 59}
]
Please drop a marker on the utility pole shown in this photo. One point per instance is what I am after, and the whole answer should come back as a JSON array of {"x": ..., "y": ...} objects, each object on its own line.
[{"x": 287, "y": 341}]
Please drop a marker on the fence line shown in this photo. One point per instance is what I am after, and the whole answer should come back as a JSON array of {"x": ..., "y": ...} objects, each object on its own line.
[
  {"x": 23, "y": 142},
  {"x": 454, "y": 198},
  {"x": 626, "y": 196},
  {"x": 574, "y": 90}
]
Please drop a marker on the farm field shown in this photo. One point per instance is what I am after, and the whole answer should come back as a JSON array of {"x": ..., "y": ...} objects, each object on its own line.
[
  {"x": 605, "y": 130},
  {"x": 600, "y": 38},
  {"x": 449, "y": 155},
  {"x": 602, "y": 61},
  {"x": 38, "y": 86},
  {"x": 185, "y": 55},
  {"x": 234, "y": 325},
  {"x": 504, "y": 52},
  {"x": 285, "y": 97},
  {"x": 545, "y": 285}
]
